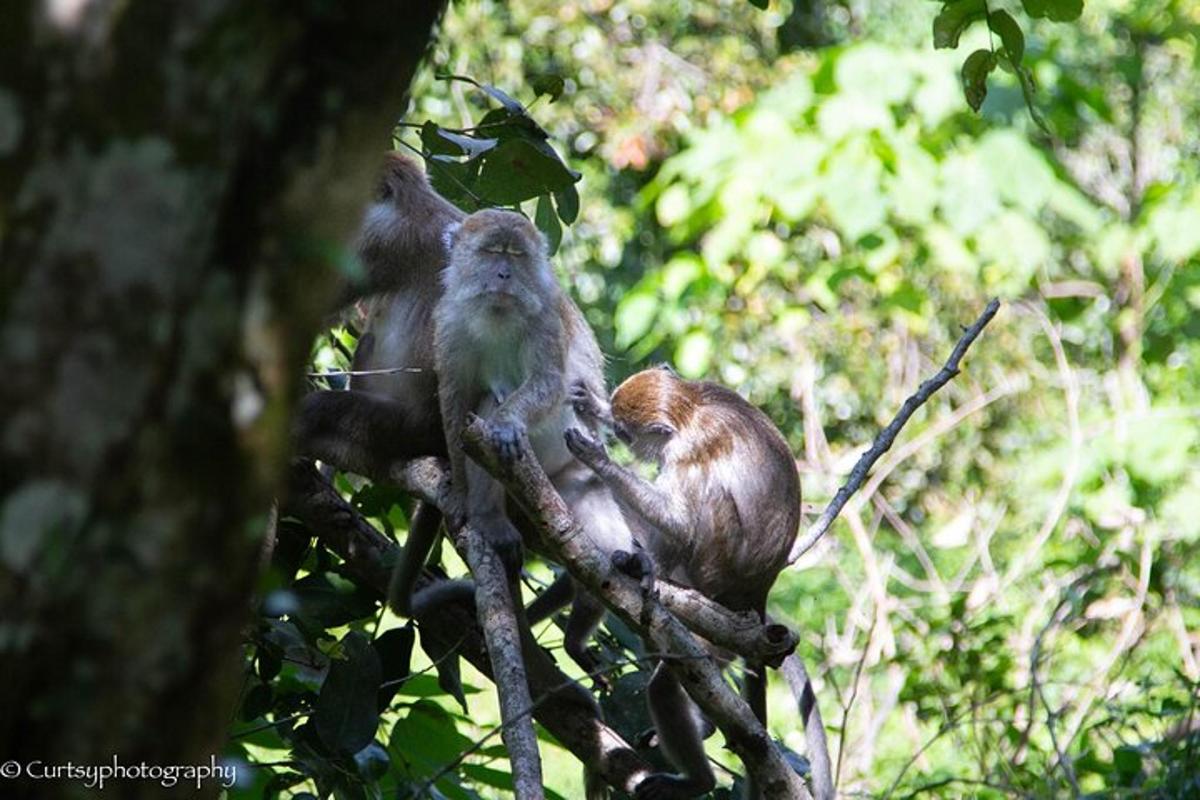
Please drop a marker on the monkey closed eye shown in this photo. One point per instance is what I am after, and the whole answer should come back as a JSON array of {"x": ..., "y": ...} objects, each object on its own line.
[{"x": 585, "y": 448}]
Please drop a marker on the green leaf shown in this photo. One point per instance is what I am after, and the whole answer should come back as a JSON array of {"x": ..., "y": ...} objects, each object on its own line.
[
  {"x": 694, "y": 354},
  {"x": 974, "y": 76},
  {"x": 1057, "y": 10},
  {"x": 1004, "y": 26},
  {"x": 762, "y": 4},
  {"x": 1127, "y": 761},
  {"x": 547, "y": 222},
  {"x": 548, "y": 84},
  {"x": 521, "y": 169},
  {"x": 633, "y": 317},
  {"x": 347, "y": 714},
  {"x": 328, "y": 600},
  {"x": 394, "y": 648},
  {"x": 954, "y": 18},
  {"x": 567, "y": 202}
]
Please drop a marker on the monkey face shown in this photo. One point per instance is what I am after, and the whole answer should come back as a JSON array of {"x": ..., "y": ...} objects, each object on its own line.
[{"x": 498, "y": 264}]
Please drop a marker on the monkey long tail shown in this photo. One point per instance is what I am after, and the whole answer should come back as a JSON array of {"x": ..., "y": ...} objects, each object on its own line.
[{"x": 814, "y": 728}]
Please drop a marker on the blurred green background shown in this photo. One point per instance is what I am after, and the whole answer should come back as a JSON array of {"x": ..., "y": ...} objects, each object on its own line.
[{"x": 799, "y": 203}]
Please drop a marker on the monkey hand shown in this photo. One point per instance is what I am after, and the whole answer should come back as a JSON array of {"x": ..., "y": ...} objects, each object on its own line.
[
  {"x": 505, "y": 437},
  {"x": 586, "y": 449},
  {"x": 590, "y": 409}
]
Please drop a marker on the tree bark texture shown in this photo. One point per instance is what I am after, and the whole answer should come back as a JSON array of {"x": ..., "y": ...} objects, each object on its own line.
[{"x": 176, "y": 181}]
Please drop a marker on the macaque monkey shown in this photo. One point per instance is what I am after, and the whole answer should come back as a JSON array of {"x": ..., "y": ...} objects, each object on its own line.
[
  {"x": 508, "y": 345},
  {"x": 395, "y": 413},
  {"x": 721, "y": 517}
]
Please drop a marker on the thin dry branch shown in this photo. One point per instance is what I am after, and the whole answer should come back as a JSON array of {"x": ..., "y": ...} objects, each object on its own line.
[
  {"x": 496, "y": 603},
  {"x": 563, "y": 707},
  {"x": 887, "y": 436},
  {"x": 692, "y": 665}
]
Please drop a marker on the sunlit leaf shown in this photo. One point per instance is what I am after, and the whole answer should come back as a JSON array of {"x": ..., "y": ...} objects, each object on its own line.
[
  {"x": 694, "y": 354},
  {"x": 547, "y": 222},
  {"x": 1004, "y": 26},
  {"x": 974, "y": 76},
  {"x": 633, "y": 317},
  {"x": 954, "y": 18}
]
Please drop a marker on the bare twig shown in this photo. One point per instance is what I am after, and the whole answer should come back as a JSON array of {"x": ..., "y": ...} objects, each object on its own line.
[
  {"x": 885, "y": 438},
  {"x": 496, "y": 606}
]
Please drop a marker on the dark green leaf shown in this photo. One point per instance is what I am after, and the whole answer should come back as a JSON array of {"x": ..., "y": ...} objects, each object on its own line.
[
  {"x": 760, "y": 4},
  {"x": 257, "y": 702},
  {"x": 328, "y": 600},
  {"x": 567, "y": 203},
  {"x": 347, "y": 713},
  {"x": 1004, "y": 26},
  {"x": 974, "y": 76},
  {"x": 1127, "y": 761},
  {"x": 1057, "y": 10},
  {"x": 954, "y": 18},
  {"x": 268, "y": 664},
  {"x": 548, "y": 84},
  {"x": 455, "y": 180},
  {"x": 521, "y": 169},
  {"x": 547, "y": 223},
  {"x": 395, "y": 660},
  {"x": 450, "y": 679},
  {"x": 433, "y": 142}
]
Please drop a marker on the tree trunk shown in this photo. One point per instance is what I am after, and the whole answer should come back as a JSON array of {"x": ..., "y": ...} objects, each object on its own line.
[{"x": 176, "y": 181}]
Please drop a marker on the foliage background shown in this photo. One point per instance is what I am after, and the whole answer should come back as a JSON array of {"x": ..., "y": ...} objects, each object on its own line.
[{"x": 799, "y": 203}]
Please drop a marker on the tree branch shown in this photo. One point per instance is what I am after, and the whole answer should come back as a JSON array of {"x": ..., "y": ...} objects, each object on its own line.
[
  {"x": 692, "y": 664},
  {"x": 564, "y": 708},
  {"x": 887, "y": 436}
]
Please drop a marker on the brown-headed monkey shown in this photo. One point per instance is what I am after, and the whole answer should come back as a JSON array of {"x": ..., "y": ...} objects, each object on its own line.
[{"x": 722, "y": 515}]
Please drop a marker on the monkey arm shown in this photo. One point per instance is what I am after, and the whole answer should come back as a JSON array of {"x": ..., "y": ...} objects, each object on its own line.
[
  {"x": 657, "y": 507},
  {"x": 533, "y": 401}
]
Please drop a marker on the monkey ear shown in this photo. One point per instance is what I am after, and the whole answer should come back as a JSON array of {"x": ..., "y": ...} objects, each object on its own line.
[
  {"x": 450, "y": 234},
  {"x": 665, "y": 367}
]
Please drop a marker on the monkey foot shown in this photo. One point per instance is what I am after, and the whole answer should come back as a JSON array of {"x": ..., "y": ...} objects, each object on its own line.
[
  {"x": 661, "y": 786},
  {"x": 636, "y": 565}
]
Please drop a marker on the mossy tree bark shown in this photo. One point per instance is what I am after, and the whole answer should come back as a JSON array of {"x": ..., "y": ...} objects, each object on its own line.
[{"x": 176, "y": 181}]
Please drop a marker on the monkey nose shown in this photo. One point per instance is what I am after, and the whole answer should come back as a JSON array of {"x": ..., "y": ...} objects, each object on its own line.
[{"x": 504, "y": 274}]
